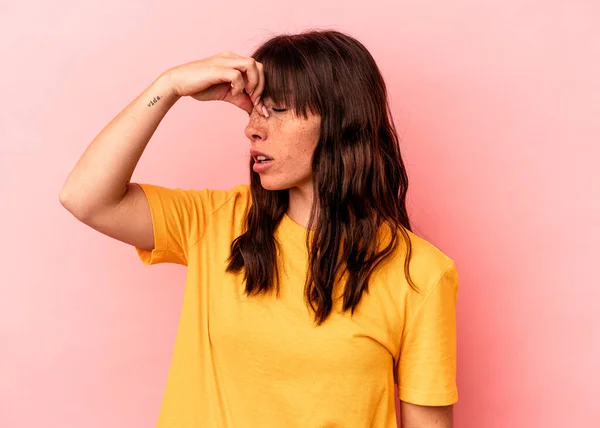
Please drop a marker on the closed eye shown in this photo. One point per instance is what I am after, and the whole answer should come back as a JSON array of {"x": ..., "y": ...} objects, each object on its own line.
[{"x": 279, "y": 110}]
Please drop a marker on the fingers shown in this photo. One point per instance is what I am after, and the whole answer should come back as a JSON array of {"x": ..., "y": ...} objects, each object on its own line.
[
  {"x": 253, "y": 70},
  {"x": 260, "y": 87},
  {"x": 246, "y": 65},
  {"x": 236, "y": 79},
  {"x": 242, "y": 102}
]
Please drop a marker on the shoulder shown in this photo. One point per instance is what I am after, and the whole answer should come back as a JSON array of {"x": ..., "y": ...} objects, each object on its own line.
[
  {"x": 426, "y": 255},
  {"x": 427, "y": 264},
  {"x": 229, "y": 207},
  {"x": 237, "y": 197},
  {"x": 234, "y": 198}
]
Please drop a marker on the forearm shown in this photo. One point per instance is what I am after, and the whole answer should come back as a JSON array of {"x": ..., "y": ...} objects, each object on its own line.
[
  {"x": 101, "y": 176},
  {"x": 414, "y": 416}
]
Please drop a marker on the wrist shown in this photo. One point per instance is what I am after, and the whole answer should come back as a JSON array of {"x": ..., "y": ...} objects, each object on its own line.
[{"x": 164, "y": 86}]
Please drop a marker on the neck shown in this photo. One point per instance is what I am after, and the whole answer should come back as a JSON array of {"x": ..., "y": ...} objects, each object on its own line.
[{"x": 301, "y": 200}]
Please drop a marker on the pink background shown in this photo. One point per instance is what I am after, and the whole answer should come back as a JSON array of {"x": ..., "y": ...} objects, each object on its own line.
[{"x": 498, "y": 104}]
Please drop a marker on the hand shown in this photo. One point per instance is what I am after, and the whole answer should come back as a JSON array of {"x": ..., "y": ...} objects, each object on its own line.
[{"x": 225, "y": 77}]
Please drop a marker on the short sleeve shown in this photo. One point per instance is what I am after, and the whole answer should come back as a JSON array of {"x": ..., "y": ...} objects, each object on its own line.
[
  {"x": 427, "y": 361},
  {"x": 179, "y": 220}
]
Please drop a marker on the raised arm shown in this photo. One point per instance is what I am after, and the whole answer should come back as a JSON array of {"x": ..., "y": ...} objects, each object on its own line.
[{"x": 98, "y": 190}]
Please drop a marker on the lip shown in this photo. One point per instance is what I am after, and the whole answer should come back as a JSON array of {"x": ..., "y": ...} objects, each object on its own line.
[
  {"x": 255, "y": 153},
  {"x": 261, "y": 166}
]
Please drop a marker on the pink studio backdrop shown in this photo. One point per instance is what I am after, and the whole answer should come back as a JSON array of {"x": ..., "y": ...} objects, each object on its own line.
[{"x": 498, "y": 105}]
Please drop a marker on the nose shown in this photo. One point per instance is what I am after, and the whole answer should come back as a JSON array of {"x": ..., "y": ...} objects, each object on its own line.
[{"x": 256, "y": 130}]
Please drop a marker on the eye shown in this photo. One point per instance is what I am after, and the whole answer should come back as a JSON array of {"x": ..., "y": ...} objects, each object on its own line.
[{"x": 279, "y": 110}]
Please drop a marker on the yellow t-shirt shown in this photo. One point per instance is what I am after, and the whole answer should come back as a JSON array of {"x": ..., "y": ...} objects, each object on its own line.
[{"x": 260, "y": 361}]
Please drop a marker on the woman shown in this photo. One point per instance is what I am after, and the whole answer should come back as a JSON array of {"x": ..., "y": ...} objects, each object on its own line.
[{"x": 308, "y": 298}]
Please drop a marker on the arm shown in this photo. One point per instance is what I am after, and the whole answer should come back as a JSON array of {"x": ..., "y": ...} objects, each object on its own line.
[
  {"x": 414, "y": 416},
  {"x": 98, "y": 191},
  {"x": 427, "y": 360}
]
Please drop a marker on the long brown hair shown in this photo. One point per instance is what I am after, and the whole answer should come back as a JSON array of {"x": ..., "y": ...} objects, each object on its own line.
[{"x": 359, "y": 178}]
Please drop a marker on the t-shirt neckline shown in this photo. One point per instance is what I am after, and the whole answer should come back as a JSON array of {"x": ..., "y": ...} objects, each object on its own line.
[{"x": 295, "y": 228}]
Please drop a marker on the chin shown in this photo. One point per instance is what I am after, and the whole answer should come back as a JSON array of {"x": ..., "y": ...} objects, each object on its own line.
[
  {"x": 274, "y": 182},
  {"x": 272, "y": 185}
]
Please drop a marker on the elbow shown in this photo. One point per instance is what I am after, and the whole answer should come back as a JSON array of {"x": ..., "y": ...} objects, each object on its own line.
[{"x": 72, "y": 204}]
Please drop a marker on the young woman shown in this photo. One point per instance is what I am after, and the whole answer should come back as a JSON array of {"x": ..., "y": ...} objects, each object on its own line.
[{"x": 308, "y": 297}]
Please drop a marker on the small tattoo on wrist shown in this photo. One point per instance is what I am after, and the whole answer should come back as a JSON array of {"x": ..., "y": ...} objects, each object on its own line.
[{"x": 153, "y": 101}]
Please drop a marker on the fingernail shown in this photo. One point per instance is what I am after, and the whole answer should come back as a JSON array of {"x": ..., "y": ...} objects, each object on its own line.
[
  {"x": 256, "y": 101},
  {"x": 264, "y": 109},
  {"x": 251, "y": 92}
]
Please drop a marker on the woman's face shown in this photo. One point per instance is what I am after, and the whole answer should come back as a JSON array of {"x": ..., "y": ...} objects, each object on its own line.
[{"x": 289, "y": 141}]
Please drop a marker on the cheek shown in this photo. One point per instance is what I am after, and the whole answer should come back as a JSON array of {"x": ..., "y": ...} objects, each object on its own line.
[
  {"x": 298, "y": 141},
  {"x": 307, "y": 139}
]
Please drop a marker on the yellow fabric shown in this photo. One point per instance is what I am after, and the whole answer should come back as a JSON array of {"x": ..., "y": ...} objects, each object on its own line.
[{"x": 260, "y": 361}]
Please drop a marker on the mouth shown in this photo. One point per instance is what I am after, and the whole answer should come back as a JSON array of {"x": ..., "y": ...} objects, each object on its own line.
[
  {"x": 261, "y": 163},
  {"x": 262, "y": 159}
]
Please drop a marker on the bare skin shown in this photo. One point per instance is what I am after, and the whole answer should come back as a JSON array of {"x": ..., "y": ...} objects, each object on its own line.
[
  {"x": 98, "y": 191},
  {"x": 290, "y": 140},
  {"x": 414, "y": 416}
]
